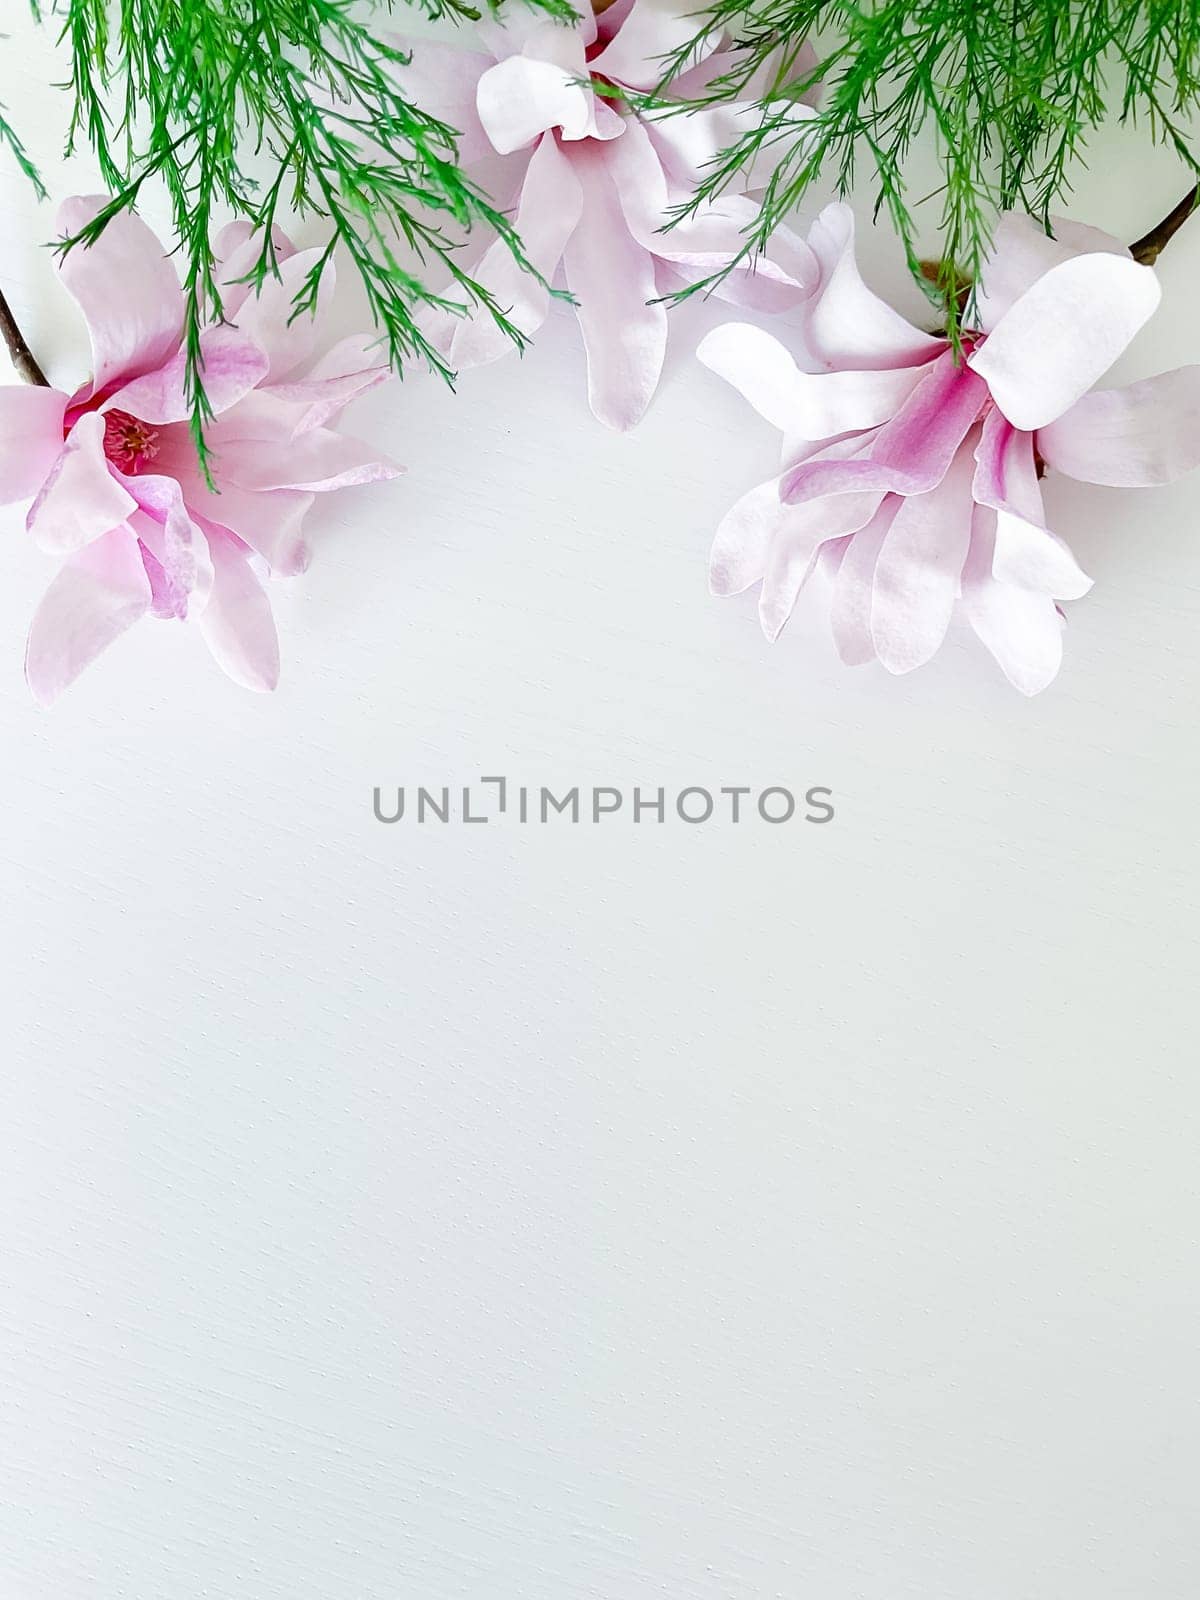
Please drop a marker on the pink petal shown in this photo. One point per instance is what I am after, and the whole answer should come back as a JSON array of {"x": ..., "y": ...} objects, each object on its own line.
[
  {"x": 653, "y": 30},
  {"x": 127, "y": 290},
  {"x": 911, "y": 453},
  {"x": 612, "y": 277},
  {"x": 605, "y": 25},
  {"x": 100, "y": 592},
  {"x": 237, "y": 623},
  {"x": 1027, "y": 553},
  {"x": 237, "y": 249},
  {"x": 81, "y": 498},
  {"x": 31, "y": 438},
  {"x": 1146, "y": 433},
  {"x": 774, "y": 280},
  {"x": 1023, "y": 630},
  {"x": 548, "y": 212},
  {"x": 180, "y": 551},
  {"x": 350, "y": 369},
  {"x": 1062, "y": 334},
  {"x": 269, "y": 319},
  {"x": 795, "y": 546},
  {"x": 233, "y": 365},
  {"x": 846, "y": 325},
  {"x": 317, "y": 461},
  {"x": 918, "y": 570},
  {"x": 850, "y": 607},
  {"x": 269, "y": 522},
  {"x": 805, "y": 405},
  {"x": 441, "y": 79},
  {"x": 1022, "y": 252}
]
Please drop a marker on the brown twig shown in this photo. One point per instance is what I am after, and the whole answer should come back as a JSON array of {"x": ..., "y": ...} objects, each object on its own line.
[
  {"x": 23, "y": 358},
  {"x": 1151, "y": 245}
]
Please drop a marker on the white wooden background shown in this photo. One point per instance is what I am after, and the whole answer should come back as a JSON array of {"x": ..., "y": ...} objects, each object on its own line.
[{"x": 617, "y": 1213}]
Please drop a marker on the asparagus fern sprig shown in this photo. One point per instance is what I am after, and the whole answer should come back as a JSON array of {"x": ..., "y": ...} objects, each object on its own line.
[
  {"x": 1011, "y": 90},
  {"x": 263, "y": 106}
]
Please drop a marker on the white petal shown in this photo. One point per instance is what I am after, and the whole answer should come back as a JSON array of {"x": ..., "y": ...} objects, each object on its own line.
[
  {"x": 612, "y": 277},
  {"x": 1023, "y": 630},
  {"x": 801, "y": 404},
  {"x": 795, "y": 545},
  {"x": 1063, "y": 334},
  {"x": 1146, "y": 433},
  {"x": 1022, "y": 252}
]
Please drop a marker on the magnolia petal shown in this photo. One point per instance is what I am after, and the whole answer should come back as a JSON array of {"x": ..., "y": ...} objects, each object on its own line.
[
  {"x": 802, "y": 404},
  {"x": 918, "y": 570},
  {"x": 31, "y": 438},
  {"x": 81, "y": 498},
  {"x": 772, "y": 280},
  {"x": 269, "y": 316},
  {"x": 1022, "y": 630},
  {"x": 846, "y": 325},
  {"x": 231, "y": 362},
  {"x": 795, "y": 546},
  {"x": 520, "y": 99},
  {"x": 101, "y": 591},
  {"x": 601, "y": 26},
  {"x": 127, "y": 290},
  {"x": 237, "y": 623},
  {"x": 1144, "y": 434},
  {"x": 912, "y": 452},
  {"x": 548, "y": 212},
  {"x": 707, "y": 241},
  {"x": 1063, "y": 333},
  {"x": 1026, "y": 552},
  {"x": 441, "y": 79},
  {"x": 690, "y": 142},
  {"x": 1022, "y": 252},
  {"x": 353, "y": 366},
  {"x": 743, "y": 539},
  {"x": 612, "y": 277},
  {"x": 238, "y": 248},
  {"x": 269, "y": 523},
  {"x": 757, "y": 366},
  {"x": 764, "y": 82},
  {"x": 653, "y": 30},
  {"x": 850, "y": 606},
  {"x": 165, "y": 527},
  {"x": 1034, "y": 558},
  {"x": 317, "y": 461}
]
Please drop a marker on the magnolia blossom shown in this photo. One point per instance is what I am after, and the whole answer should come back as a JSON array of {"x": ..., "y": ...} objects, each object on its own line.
[
  {"x": 911, "y": 476},
  {"x": 590, "y": 184},
  {"x": 115, "y": 482}
]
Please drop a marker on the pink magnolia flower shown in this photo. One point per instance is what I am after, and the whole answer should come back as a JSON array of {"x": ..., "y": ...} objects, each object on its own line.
[
  {"x": 590, "y": 184},
  {"x": 116, "y": 486},
  {"x": 911, "y": 478}
]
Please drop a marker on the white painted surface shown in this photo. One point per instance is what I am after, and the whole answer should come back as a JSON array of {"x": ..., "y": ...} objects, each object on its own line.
[{"x": 600, "y": 1213}]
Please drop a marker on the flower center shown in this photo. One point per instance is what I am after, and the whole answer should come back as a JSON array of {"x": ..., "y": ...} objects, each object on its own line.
[{"x": 128, "y": 441}]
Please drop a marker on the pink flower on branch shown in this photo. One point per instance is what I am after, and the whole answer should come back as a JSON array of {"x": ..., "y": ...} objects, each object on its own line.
[
  {"x": 591, "y": 184},
  {"x": 117, "y": 489},
  {"x": 911, "y": 477}
]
